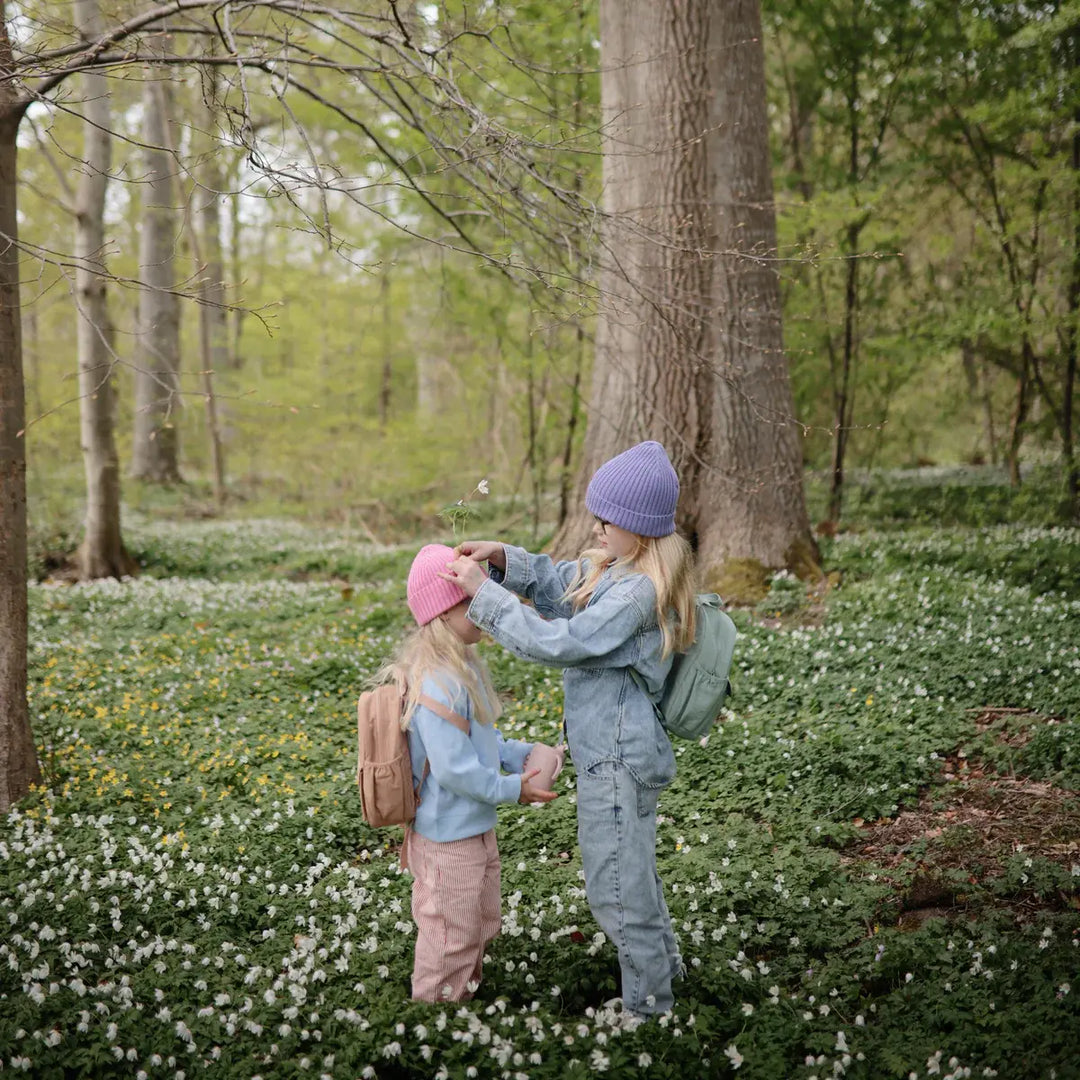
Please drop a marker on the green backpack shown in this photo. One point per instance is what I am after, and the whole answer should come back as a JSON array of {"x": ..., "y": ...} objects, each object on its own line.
[{"x": 697, "y": 684}]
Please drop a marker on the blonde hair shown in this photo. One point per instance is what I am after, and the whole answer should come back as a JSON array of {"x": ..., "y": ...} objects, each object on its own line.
[
  {"x": 434, "y": 649},
  {"x": 668, "y": 562}
]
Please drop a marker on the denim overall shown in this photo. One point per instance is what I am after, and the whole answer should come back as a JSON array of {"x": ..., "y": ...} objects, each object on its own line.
[{"x": 622, "y": 754}]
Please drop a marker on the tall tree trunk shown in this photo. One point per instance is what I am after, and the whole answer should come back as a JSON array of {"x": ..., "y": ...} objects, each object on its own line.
[
  {"x": 386, "y": 381},
  {"x": 1068, "y": 455},
  {"x": 566, "y": 476},
  {"x": 155, "y": 452},
  {"x": 573, "y": 415},
  {"x": 18, "y": 758},
  {"x": 212, "y": 349},
  {"x": 1021, "y": 405},
  {"x": 102, "y": 552},
  {"x": 844, "y": 393},
  {"x": 235, "y": 265},
  {"x": 689, "y": 344},
  {"x": 651, "y": 376},
  {"x": 213, "y": 312},
  {"x": 753, "y": 506}
]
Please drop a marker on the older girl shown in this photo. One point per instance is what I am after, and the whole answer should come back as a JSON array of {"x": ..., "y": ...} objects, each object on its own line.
[{"x": 626, "y": 604}]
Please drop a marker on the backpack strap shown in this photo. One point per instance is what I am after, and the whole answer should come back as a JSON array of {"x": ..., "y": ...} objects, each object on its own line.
[
  {"x": 451, "y": 717},
  {"x": 439, "y": 709}
]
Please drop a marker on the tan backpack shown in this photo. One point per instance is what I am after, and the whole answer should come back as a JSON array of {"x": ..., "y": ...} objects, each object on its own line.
[{"x": 383, "y": 765}]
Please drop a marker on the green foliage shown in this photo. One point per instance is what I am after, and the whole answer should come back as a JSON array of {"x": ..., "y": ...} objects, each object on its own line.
[
  {"x": 196, "y": 885},
  {"x": 966, "y": 496},
  {"x": 927, "y": 214},
  {"x": 365, "y": 363},
  {"x": 787, "y": 594}
]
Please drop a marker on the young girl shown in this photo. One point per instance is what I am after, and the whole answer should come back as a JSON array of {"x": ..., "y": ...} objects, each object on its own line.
[
  {"x": 450, "y": 847},
  {"x": 625, "y": 604}
]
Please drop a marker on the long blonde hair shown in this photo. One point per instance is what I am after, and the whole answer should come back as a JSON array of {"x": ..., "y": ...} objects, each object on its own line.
[
  {"x": 668, "y": 562},
  {"x": 434, "y": 649}
]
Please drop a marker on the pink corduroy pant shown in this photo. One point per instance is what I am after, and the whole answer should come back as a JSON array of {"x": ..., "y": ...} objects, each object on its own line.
[{"x": 456, "y": 908}]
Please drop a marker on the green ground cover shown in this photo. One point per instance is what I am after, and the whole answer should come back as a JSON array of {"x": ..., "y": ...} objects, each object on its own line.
[{"x": 873, "y": 864}]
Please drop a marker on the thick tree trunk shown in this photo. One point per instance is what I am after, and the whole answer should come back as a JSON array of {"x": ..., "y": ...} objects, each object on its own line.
[
  {"x": 101, "y": 553},
  {"x": 18, "y": 759},
  {"x": 689, "y": 346},
  {"x": 155, "y": 452},
  {"x": 753, "y": 505},
  {"x": 651, "y": 376}
]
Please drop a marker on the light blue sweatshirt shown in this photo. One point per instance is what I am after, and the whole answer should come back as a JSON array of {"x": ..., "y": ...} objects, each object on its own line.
[{"x": 464, "y": 784}]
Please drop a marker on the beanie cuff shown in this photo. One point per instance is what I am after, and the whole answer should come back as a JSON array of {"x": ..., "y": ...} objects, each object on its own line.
[
  {"x": 631, "y": 520},
  {"x": 431, "y": 600}
]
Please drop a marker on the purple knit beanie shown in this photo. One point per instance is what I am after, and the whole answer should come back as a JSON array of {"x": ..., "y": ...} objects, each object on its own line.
[
  {"x": 637, "y": 490},
  {"x": 430, "y": 595}
]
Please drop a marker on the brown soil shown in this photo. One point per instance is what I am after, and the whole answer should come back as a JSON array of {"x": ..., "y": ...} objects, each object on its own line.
[{"x": 965, "y": 829}]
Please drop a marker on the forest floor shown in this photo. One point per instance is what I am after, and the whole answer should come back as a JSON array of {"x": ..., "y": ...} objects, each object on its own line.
[{"x": 872, "y": 862}]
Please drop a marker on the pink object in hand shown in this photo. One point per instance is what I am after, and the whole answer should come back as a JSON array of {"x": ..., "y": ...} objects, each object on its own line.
[{"x": 549, "y": 760}]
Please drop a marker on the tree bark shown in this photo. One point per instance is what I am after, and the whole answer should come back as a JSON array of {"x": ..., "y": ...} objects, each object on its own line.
[
  {"x": 1068, "y": 454},
  {"x": 651, "y": 375},
  {"x": 156, "y": 448},
  {"x": 212, "y": 346},
  {"x": 213, "y": 313},
  {"x": 18, "y": 758},
  {"x": 386, "y": 380},
  {"x": 844, "y": 394},
  {"x": 753, "y": 505},
  {"x": 689, "y": 344},
  {"x": 102, "y": 552},
  {"x": 1021, "y": 406}
]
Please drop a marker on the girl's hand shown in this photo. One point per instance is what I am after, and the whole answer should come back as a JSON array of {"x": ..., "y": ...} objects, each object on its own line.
[
  {"x": 530, "y": 794},
  {"x": 489, "y": 551},
  {"x": 466, "y": 574}
]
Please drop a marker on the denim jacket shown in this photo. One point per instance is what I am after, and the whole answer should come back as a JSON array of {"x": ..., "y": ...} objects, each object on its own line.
[{"x": 609, "y": 718}]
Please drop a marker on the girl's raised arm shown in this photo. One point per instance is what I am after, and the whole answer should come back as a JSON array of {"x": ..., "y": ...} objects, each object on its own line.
[
  {"x": 537, "y": 578},
  {"x": 583, "y": 639}
]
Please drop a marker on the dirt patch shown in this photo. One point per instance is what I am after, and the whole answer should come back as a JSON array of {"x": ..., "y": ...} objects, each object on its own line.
[
  {"x": 1009, "y": 727},
  {"x": 1001, "y": 815},
  {"x": 950, "y": 852}
]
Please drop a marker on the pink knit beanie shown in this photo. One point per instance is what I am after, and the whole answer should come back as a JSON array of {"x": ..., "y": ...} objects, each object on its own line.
[{"x": 430, "y": 595}]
